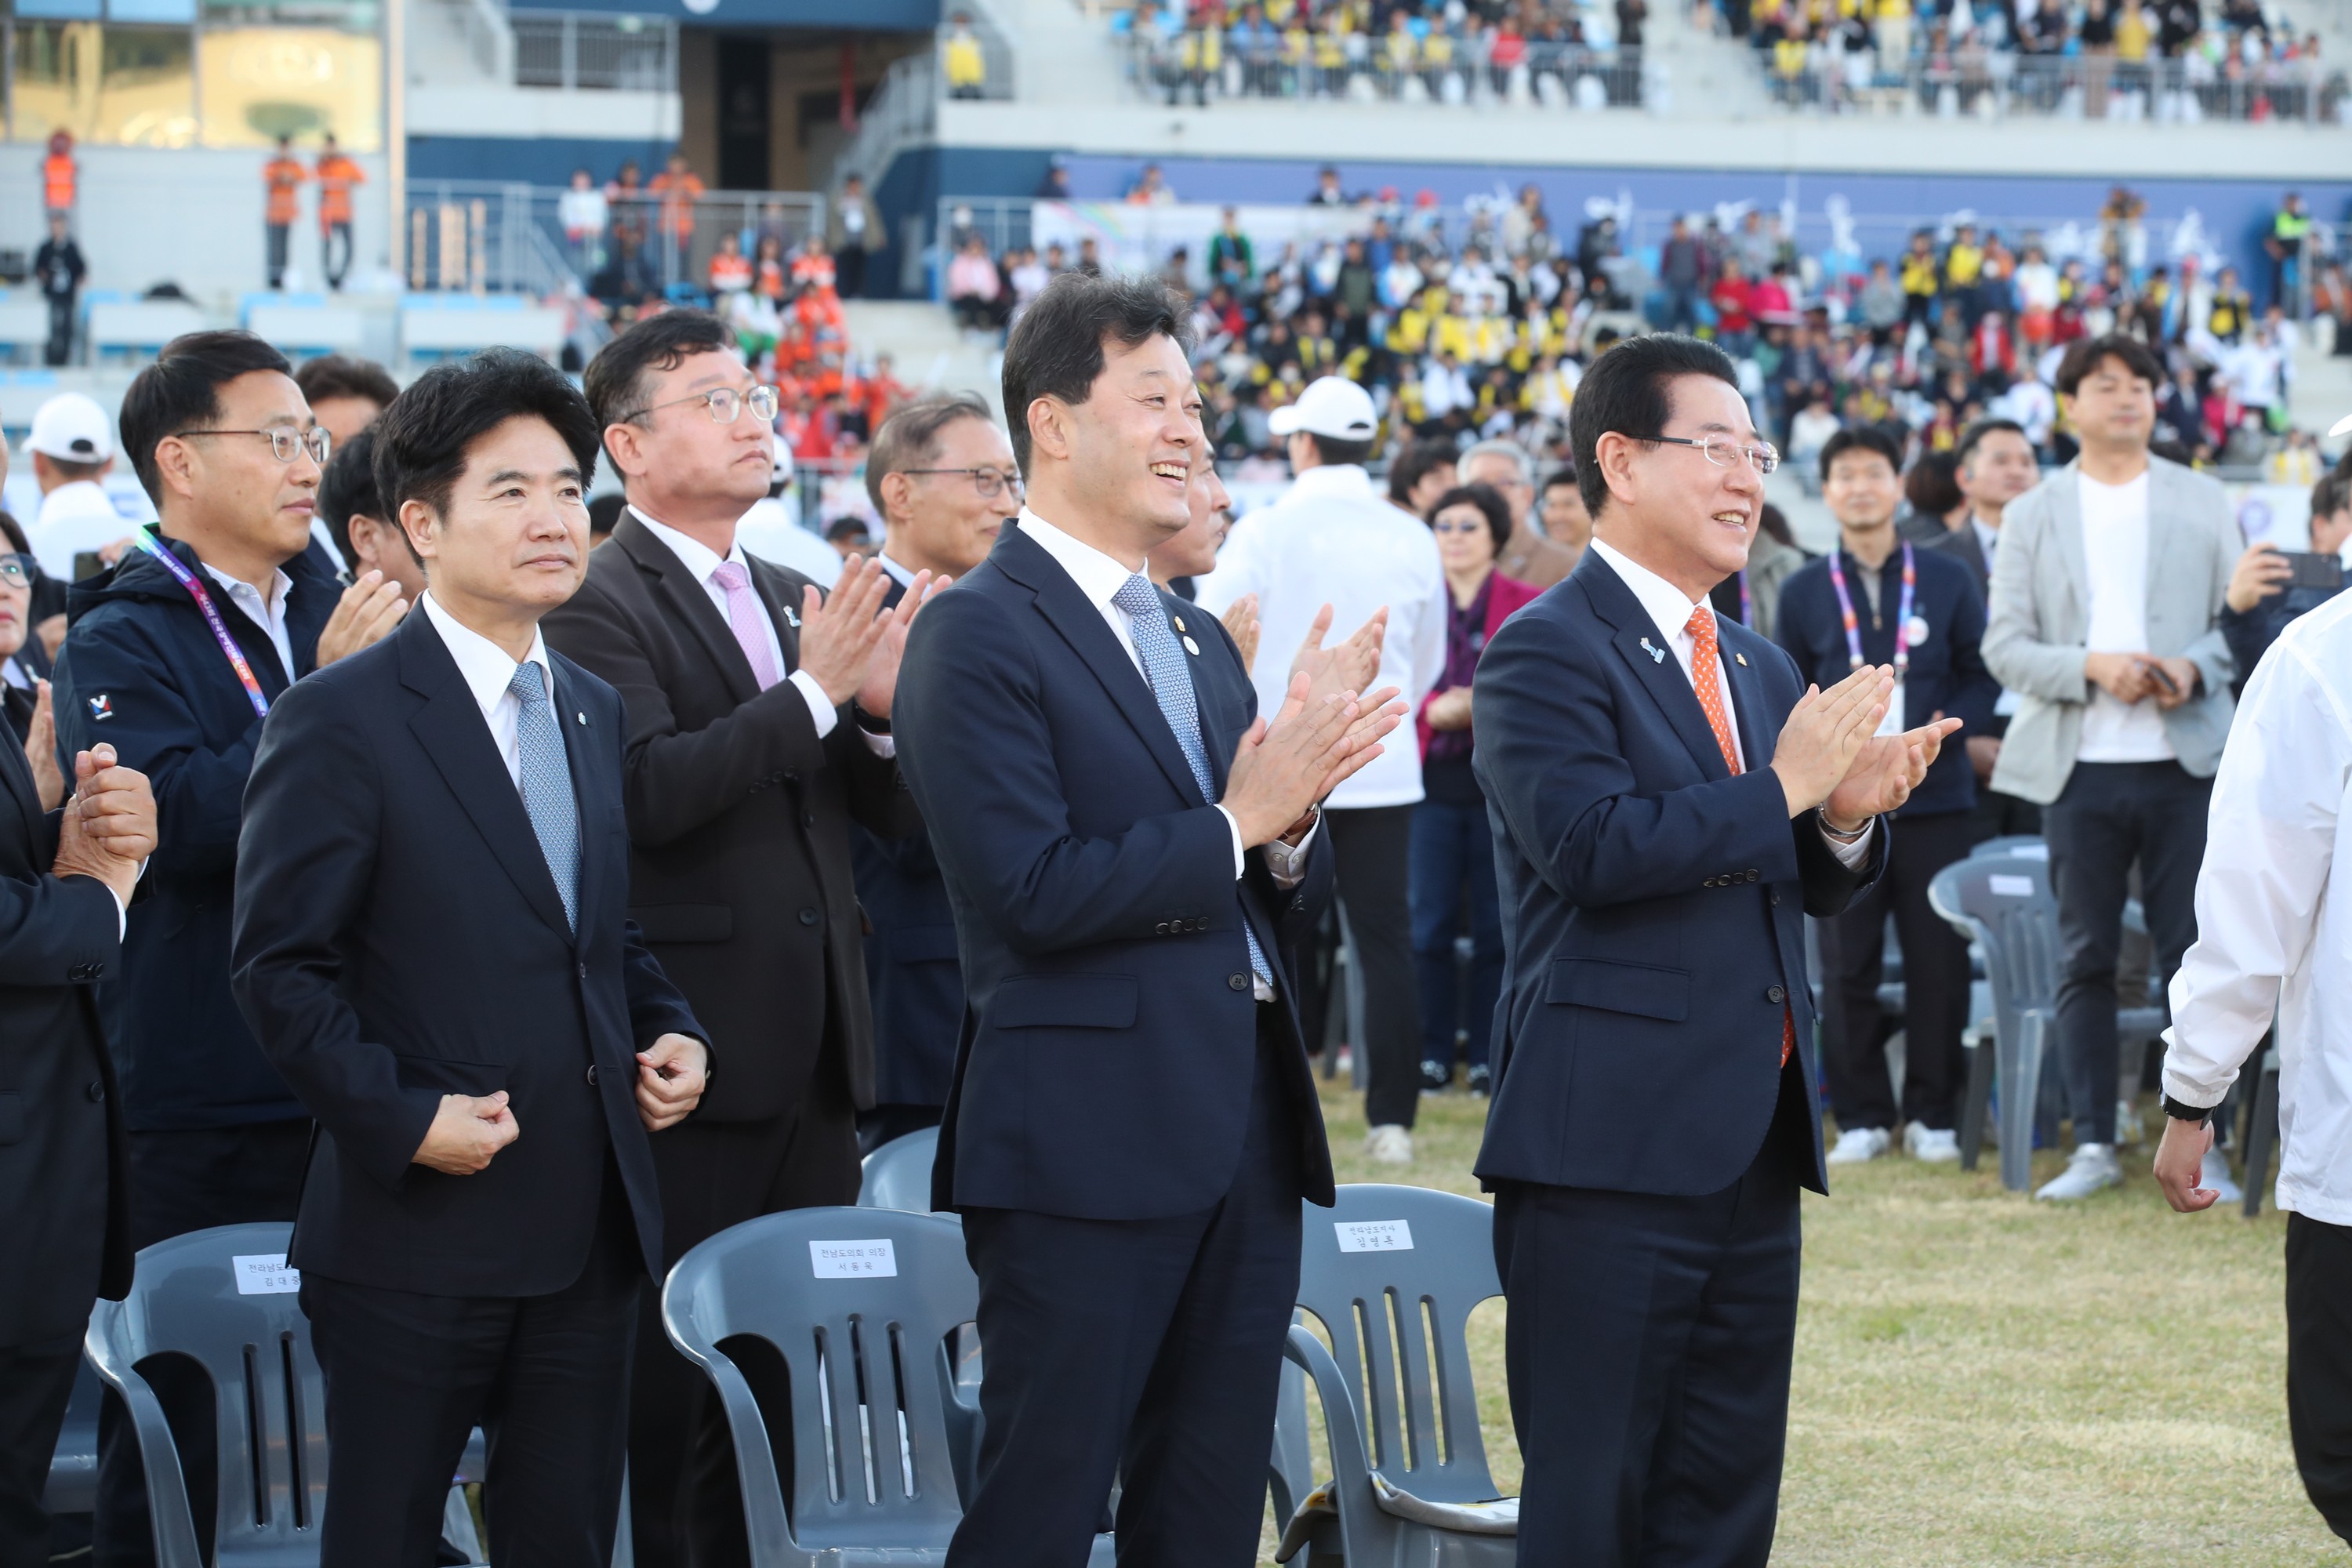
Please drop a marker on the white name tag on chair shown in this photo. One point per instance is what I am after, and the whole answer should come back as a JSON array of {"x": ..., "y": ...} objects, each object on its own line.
[
  {"x": 2008, "y": 887},
  {"x": 1374, "y": 1234},
  {"x": 265, "y": 1274},
  {"x": 854, "y": 1260},
  {"x": 1893, "y": 723}
]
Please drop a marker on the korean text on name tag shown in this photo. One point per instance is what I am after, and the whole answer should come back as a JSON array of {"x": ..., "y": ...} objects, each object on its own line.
[
  {"x": 265, "y": 1274},
  {"x": 854, "y": 1260},
  {"x": 1374, "y": 1235}
]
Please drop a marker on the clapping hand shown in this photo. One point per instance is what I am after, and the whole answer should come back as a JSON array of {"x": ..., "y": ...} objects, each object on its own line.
[
  {"x": 1885, "y": 769},
  {"x": 1824, "y": 733},
  {"x": 368, "y": 610},
  {"x": 1348, "y": 667},
  {"x": 1282, "y": 769},
  {"x": 881, "y": 685},
  {"x": 840, "y": 630},
  {"x": 41, "y": 749},
  {"x": 108, "y": 828},
  {"x": 1240, "y": 621}
]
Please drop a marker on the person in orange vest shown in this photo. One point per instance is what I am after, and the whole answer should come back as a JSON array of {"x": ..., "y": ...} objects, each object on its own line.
[
  {"x": 677, "y": 188},
  {"x": 60, "y": 175},
  {"x": 283, "y": 175},
  {"x": 336, "y": 175}
]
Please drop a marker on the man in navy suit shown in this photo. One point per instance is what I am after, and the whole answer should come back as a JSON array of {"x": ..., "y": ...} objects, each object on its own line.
[
  {"x": 1131, "y": 1125},
  {"x": 1669, "y": 799},
  {"x": 431, "y": 944}
]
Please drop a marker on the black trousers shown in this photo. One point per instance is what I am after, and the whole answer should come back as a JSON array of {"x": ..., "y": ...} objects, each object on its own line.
[
  {"x": 35, "y": 1380},
  {"x": 60, "y": 348},
  {"x": 180, "y": 1182},
  {"x": 1647, "y": 1351},
  {"x": 1373, "y": 851},
  {"x": 2319, "y": 1364},
  {"x": 1999, "y": 815},
  {"x": 409, "y": 1376},
  {"x": 1147, "y": 1349},
  {"x": 335, "y": 252},
  {"x": 886, "y": 1122},
  {"x": 2110, "y": 815},
  {"x": 276, "y": 234},
  {"x": 849, "y": 271},
  {"x": 685, "y": 1506},
  {"x": 1935, "y": 984}
]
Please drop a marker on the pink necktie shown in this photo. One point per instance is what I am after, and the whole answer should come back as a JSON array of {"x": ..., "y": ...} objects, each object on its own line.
[{"x": 743, "y": 616}]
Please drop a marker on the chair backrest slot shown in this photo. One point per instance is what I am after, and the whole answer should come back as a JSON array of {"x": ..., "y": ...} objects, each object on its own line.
[
  {"x": 256, "y": 1438},
  {"x": 297, "y": 1433}
]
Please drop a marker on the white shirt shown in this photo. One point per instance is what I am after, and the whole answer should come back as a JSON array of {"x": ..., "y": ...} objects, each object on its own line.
[
  {"x": 2115, "y": 549},
  {"x": 704, "y": 563},
  {"x": 486, "y": 670},
  {"x": 1098, "y": 576},
  {"x": 268, "y": 613},
  {"x": 75, "y": 518},
  {"x": 1988, "y": 539},
  {"x": 1669, "y": 611},
  {"x": 1335, "y": 540},
  {"x": 2271, "y": 937}
]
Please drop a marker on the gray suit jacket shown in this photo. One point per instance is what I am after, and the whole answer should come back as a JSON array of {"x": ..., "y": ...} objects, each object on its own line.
[{"x": 2041, "y": 610}]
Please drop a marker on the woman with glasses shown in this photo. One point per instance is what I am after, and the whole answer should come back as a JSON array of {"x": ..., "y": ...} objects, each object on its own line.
[
  {"x": 1452, "y": 848},
  {"x": 24, "y": 672}
]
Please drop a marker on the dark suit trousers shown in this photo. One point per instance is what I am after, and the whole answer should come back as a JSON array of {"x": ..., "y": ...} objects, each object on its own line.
[
  {"x": 2110, "y": 815},
  {"x": 1647, "y": 1352},
  {"x": 1371, "y": 850},
  {"x": 682, "y": 1487},
  {"x": 183, "y": 1181},
  {"x": 410, "y": 1375},
  {"x": 1151, "y": 1348},
  {"x": 1935, "y": 984},
  {"x": 2319, "y": 1364},
  {"x": 35, "y": 1380}
]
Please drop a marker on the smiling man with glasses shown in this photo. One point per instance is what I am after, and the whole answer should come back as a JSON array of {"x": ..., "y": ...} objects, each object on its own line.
[{"x": 759, "y": 714}]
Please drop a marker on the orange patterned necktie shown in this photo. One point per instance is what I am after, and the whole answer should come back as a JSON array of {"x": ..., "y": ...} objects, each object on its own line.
[{"x": 1706, "y": 676}]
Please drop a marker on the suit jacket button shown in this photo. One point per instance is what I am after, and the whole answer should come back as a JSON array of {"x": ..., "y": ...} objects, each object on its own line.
[
  {"x": 1776, "y": 995},
  {"x": 1237, "y": 981},
  {"x": 1751, "y": 874},
  {"x": 1776, "y": 895},
  {"x": 592, "y": 1074},
  {"x": 1160, "y": 930},
  {"x": 97, "y": 1091},
  {"x": 1712, "y": 882},
  {"x": 808, "y": 819},
  {"x": 584, "y": 969},
  {"x": 808, "y": 917}
]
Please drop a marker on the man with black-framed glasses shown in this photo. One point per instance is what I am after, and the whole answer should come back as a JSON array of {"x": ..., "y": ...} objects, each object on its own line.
[
  {"x": 759, "y": 715},
  {"x": 174, "y": 655}
]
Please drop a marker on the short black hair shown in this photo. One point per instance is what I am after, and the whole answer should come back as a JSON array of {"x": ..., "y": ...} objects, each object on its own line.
[
  {"x": 1487, "y": 500},
  {"x": 342, "y": 375},
  {"x": 347, "y": 489},
  {"x": 2331, "y": 495},
  {"x": 1057, "y": 347},
  {"x": 1862, "y": 438},
  {"x": 2089, "y": 354},
  {"x": 1973, "y": 436},
  {"x": 615, "y": 382},
  {"x": 1412, "y": 466},
  {"x": 181, "y": 391},
  {"x": 1563, "y": 474},
  {"x": 1625, "y": 393},
  {"x": 912, "y": 435},
  {"x": 604, "y": 514},
  {"x": 421, "y": 441},
  {"x": 1336, "y": 451},
  {"x": 1931, "y": 487}
]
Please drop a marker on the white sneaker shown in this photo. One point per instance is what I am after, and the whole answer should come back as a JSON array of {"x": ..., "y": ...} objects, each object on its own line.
[
  {"x": 2216, "y": 1175},
  {"x": 2093, "y": 1167},
  {"x": 1931, "y": 1145},
  {"x": 2129, "y": 1129},
  {"x": 1856, "y": 1144},
  {"x": 1389, "y": 1144}
]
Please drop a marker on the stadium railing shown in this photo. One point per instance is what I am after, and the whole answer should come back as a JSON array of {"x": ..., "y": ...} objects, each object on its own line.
[
  {"x": 495, "y": 237},
  {"x": 1558, "y": 76},
  {"x": 1998, "y": 84},
  {"x": 572, "y": 49}
]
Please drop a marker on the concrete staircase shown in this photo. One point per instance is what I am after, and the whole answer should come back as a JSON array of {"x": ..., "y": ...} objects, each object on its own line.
[
  {"x": 925, "y": 347},
  {"x": 1704, "y": 74}
]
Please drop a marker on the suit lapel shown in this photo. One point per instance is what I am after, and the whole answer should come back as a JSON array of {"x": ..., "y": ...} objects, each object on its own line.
[
  {"x": 1652, "y": 662},
  {"x": 1089, "y": 636},
  {"x": 1746, "y": 685},
  {"x": 450, "y": 726},
  {"x": 16, "y": 772},
  {"x": 674, "y": 587},
  {"x": 783, "y": 598},
  {"x": 2066, "y": 524}
]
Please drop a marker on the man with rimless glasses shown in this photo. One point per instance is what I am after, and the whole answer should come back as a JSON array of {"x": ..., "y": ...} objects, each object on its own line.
[
  {"x": 759, "y": 729},
  {"x": 174, "y": 655}
]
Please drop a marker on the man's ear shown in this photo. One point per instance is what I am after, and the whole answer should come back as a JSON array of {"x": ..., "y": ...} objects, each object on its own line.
[
  {"x": 422, "y": 529},
  {"x": 1614, "y": 454},
  {"x": 897, "y": 497},
  {"x": 1049, "y": 427},
  {"x": 623, "y": 444},
  {"x": 175, "y": 462}
]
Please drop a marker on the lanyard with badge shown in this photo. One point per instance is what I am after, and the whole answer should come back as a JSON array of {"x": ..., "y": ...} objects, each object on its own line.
[
  {"x": 1905, "y": 631},
  {"x": 145, "y": 539}
]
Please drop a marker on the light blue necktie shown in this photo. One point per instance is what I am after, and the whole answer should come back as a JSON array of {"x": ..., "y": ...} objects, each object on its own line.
[
  {"x": 547, "y": 786},
  {"x": 1172, "y": 683}
]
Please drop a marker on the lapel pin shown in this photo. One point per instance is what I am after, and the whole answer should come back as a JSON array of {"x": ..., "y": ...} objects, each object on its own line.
[
  {"x": 1190, "y": 646},
  {"x": 1742, "y": 660},
  {"x": 1180, "y": 622},
  {"x": 582, "y": 717},
  {"x": 791, "y": 619},
  {"x": 1658, "y": 655}
]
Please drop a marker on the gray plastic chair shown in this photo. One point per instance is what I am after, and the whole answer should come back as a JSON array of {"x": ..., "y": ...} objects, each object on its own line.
[
  {"x": 874, "y": 1471},
  {"x": 898, "y": 1174},
  {"x": 1290, "y": 1471},
  {"x": 73, "y": 1467},
  {"x": 2030, "y": 847},
  {"x": 188, "y": 1298},
  {"x": 1391, "y": 1309}
]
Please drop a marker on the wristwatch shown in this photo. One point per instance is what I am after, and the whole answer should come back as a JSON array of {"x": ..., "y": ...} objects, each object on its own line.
[
  {"x": 1854, "y": 838},
  {"x": 2199, "y": 1114}
]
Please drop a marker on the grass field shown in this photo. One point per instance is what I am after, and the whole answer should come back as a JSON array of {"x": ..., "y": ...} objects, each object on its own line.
[{"x": 1983, "y": 1380}]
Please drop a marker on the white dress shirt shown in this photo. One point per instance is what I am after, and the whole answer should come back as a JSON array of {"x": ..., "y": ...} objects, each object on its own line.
[
  {"x": 1098, "y": 576},
  {"x": 486, "y": 670},
  {"x": 2115, "y": 549},
  {"x": 2272, "y": 941},
  {"x": 268, "y": 613},
  {"x": 704, "y": 563},
  {"x": 1669, "y": 611},
  {"x": 1335, "y": 540}
]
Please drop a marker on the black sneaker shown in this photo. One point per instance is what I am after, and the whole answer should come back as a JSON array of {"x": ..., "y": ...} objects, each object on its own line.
[
  {"x": 1481, "y": 1081},
  {"x": 1435, "y": 1077}
]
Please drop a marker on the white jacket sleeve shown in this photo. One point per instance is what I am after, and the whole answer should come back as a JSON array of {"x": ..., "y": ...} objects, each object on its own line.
[{"x": 2269, "y": 845}]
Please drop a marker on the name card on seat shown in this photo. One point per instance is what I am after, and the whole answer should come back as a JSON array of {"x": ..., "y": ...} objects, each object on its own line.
[
  {"x": 2005, "y": 887},
  {"x": 1374, "y": 1234},
  {"x": 854, "y": 1260},
  {"x": 265, "y": 1274}
]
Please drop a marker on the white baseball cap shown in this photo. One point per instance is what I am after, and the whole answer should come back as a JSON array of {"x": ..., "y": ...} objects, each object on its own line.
[
  {"x": 72, "y": 428},
  {"x": 1331, "y": 405},
  {"x": 2341, "y": 428}
]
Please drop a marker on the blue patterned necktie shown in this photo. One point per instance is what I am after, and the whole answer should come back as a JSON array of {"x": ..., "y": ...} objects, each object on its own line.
[
  {"x": 1172, "y": 683},
  {"x": 547, "y": 786}
]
